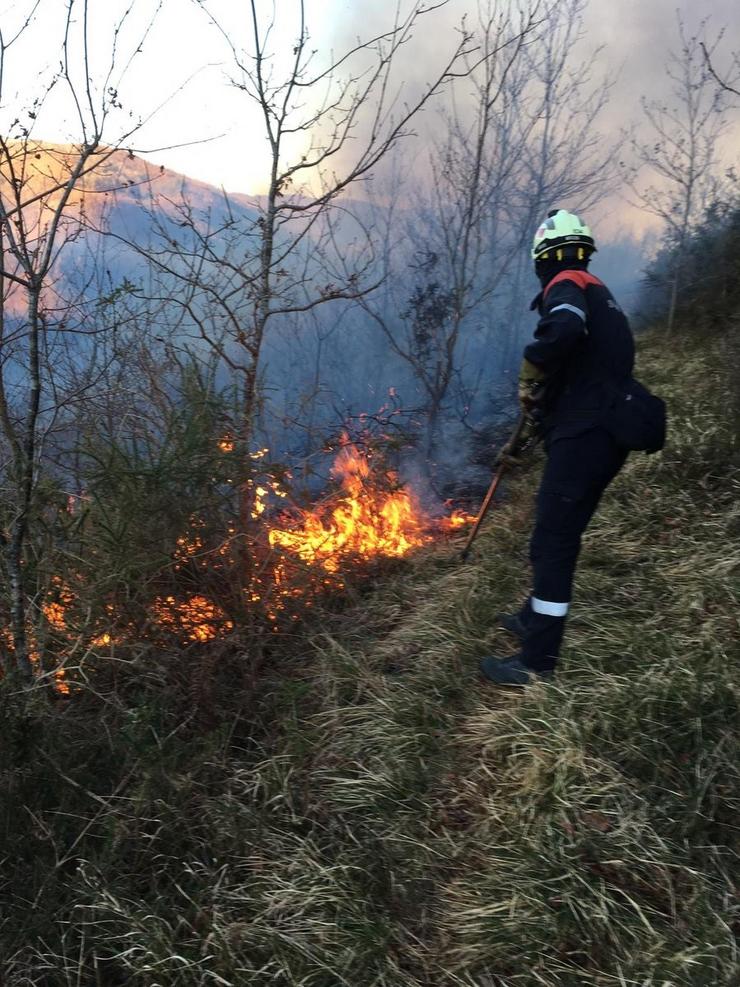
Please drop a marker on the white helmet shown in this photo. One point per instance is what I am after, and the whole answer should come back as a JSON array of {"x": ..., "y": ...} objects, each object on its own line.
[{"x": 562, "y": 229}]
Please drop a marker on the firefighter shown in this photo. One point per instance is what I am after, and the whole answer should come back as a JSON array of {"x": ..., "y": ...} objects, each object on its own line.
[{"x": 582, "y": 347}]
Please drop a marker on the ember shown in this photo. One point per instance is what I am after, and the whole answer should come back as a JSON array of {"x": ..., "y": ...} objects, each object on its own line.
[{"x": 197, "y": 617}]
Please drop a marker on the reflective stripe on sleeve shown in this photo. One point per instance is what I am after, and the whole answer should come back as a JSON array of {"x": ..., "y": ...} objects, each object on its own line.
[
  {"x": 548, "y": 608},
  {"x": 570, "y": 308}
]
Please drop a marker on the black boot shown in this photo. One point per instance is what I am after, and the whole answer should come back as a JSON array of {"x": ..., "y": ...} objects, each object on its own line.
[
  {"x": 541, "y": 639},
  {"x": 541, "y": 643},
  {"x": 512, "y": 671},
  {"x": 515, "y": 623},
  {"x": 512, "y": 623}
]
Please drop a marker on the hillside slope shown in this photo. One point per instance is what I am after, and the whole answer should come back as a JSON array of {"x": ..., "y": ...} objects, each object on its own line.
[{"x": 366, "y": 812}]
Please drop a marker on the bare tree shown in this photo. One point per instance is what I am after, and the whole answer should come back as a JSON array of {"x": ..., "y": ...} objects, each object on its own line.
[
  {"x": 39, "y": 217},
  {"x": 472, "y": 174},
  {"x": 328, "y": 124},
  {"x": 506, "y": 153},
  {"x": 446, "y": 234},
  {"x": 680, "y": 149}
]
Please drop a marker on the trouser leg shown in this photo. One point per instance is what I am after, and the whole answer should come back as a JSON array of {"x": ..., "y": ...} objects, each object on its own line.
[{"x": 578, "y": 471}]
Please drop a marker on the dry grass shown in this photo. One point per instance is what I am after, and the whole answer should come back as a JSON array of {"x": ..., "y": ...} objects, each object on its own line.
[{"x": 372, "y": 815}]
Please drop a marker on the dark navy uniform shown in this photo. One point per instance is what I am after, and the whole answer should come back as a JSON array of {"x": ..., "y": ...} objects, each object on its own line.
[{"x": 582, "y": 346}]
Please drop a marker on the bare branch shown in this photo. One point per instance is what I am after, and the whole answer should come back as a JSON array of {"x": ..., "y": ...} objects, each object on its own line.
[{"x": 720, "y": 81}]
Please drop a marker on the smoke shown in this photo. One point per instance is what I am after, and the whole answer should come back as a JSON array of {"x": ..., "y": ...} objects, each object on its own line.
[
  {"x": 638, "y": 36},
  {"x": 318, "y": 374},
  {"x": 632, "y": 41}
]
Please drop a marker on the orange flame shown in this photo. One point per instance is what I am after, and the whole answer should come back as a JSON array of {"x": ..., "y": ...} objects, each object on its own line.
[
  {"x": 369, "y": 520},
  {"x": 371, "y": 516},
  {"x": 199, "y": 618}
]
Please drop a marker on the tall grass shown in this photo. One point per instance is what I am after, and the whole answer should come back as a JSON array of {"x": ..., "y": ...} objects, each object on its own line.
[{"x": 366, "y": 812}]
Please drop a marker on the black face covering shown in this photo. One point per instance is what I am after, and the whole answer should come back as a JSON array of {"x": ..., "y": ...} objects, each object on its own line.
[{"x": 547, "y": 269}]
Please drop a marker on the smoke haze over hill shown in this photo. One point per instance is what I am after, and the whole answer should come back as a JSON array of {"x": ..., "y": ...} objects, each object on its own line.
[
  {"x": 319, "y": 372},
  {"x": 427, "y": 227}
]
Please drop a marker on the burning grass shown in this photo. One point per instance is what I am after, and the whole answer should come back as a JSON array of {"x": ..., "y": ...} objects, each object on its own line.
[
  {"x": 364, "y": 812},
  {"x": 296, "y": 558},
  {"x": 368, "y": 520}
]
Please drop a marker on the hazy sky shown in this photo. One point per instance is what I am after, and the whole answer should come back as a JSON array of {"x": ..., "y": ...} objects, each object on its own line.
[{"x": 636, "y": 35}]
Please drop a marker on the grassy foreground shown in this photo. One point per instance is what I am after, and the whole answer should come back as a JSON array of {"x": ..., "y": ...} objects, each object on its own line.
[{"x": 365, "y": 812}]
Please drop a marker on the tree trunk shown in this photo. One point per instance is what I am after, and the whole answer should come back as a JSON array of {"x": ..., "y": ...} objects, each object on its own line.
[
  {"x": 25, "y": 477},
  {"x": 674, "y": 291}
]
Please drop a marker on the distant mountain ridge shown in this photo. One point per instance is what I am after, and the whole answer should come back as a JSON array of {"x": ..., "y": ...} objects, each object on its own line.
[
  {"x": 41, "y": 165},
  {"x": 118, "y": 193}
]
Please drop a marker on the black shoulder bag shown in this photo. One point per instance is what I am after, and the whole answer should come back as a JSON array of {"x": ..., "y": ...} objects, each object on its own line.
[{"x": 635, "y": 417}]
